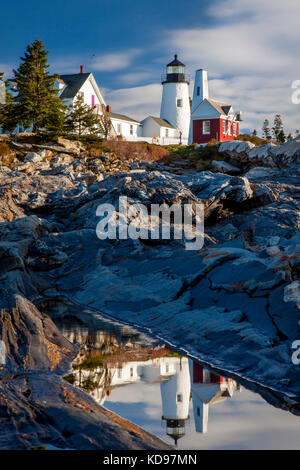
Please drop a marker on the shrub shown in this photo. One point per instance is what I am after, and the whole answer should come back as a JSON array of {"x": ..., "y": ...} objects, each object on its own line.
[
  {"x": 252, "y": 138},
  {"x": 4, "y": 149},
  {"x": 140, "y": 150}
]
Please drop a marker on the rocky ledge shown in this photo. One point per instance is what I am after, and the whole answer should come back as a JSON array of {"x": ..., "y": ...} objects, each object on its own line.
[{"x": 234, "y": 303}]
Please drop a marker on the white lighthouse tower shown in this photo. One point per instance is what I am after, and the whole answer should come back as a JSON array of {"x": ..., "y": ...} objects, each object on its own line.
[
  {"x": 175, "y": 394},
  {"x": 175, "y": 103}
]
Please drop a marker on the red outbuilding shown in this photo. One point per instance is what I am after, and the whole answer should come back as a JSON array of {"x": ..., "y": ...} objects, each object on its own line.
[{"x": 211, "y": 119}]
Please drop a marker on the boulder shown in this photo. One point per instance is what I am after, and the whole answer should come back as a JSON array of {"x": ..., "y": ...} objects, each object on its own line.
[{"x": 224, "y": 167}]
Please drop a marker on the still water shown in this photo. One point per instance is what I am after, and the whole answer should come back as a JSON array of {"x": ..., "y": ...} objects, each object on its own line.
[{"x": 172, "y": 396}]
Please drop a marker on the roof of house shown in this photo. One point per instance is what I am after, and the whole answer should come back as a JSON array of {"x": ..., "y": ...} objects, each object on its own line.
[
  {"x": 222, "y": 108},
  {"x": 161, "y": 122},
  {"x": 74, "y": 82},
  {"x": 122, "y": 117}
]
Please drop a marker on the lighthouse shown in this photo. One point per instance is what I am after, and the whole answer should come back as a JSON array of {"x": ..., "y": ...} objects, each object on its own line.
[{"x": 175, "y": 103}]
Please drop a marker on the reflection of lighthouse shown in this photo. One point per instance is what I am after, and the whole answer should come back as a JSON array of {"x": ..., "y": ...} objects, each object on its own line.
[
  {"x": 208, "y": 389},
  {"x": 175, "y": 394}
]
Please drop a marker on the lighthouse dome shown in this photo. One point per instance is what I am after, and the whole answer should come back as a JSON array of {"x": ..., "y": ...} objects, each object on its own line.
[{"x": 175, "y": 62}]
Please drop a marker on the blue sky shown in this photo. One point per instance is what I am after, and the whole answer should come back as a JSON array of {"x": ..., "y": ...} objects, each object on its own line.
[{"x": 250, "y": 49}]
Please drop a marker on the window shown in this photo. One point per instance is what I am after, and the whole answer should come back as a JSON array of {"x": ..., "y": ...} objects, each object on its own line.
[
  {"x": 198, "y": 411},
  {"x": 131, "y": 372},
  {"x": 229, "y": 127},
  {"x": 206, "y": 127},
  {"x": 198, "y": 90},
  {"x": 234, "y": 129},
  {"x": 119, "y": 129},
  {"x": 179, "y": 103},
  {"x": 167, "y": 368},
  {"x": 119, "y": 373},
  {"x": 224, "y": 127},
  {"x": 179, "y": 398},
  {"x": 131, "y": 129},
  {"x": 167, "y": 132}
]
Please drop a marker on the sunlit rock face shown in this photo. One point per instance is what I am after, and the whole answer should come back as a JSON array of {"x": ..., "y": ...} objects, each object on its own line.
[{"x": 234, "y": 302}]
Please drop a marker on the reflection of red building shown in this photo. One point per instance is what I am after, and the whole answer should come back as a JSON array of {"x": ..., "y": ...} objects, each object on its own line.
[
  {"x": 207, "y": 389},
  {"x": 211, "y": 119}
]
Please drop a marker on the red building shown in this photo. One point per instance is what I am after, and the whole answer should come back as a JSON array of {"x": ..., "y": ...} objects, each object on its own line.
[{"x": 211, "y": 119}]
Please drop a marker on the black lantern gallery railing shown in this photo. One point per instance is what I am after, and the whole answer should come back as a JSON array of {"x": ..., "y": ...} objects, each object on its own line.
[{"x": 175, "y": 77}]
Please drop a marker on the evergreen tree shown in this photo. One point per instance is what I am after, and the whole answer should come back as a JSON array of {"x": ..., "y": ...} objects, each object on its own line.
[
  {"x": 281, "y": 136},
  {"x": 266, "y": 129},
  {"x": 82, "y": 119},
  {"x": 277, "y": 128},
  {"x": 36, "y": 100},
  {"x": 254, "y": 132},
  {"x": 289, "y": 137},
  {"x": 56, "y": 124}
]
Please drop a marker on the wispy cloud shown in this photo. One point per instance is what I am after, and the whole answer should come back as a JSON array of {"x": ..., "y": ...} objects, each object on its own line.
[
  {"x": 136, "y": 102},
  {"x": 6, "y": 69},
  {"x": 114, "y": 61}
]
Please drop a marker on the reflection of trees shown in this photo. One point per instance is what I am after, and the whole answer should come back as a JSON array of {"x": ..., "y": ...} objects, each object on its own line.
[{"x": 102, "y": 354}]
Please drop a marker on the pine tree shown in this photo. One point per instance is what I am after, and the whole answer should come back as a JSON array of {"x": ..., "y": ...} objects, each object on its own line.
[
  {"x": 56, "y": 124},
  {"x": 281, "y": 136},
  {"x": 36, "y": 100},
  {"x": 254, "y": 132},
  {"x": 277, "y": 128},
  {"x": 266, "y": 129},
  {"x": 82, "y": 119}
]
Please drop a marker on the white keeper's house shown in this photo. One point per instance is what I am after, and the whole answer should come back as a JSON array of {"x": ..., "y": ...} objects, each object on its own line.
[
  {"x": 170, "y": 128},
  {"x": 181, "y": 120}
]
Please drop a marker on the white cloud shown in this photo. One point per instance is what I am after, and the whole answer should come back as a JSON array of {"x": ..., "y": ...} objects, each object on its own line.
[
  {"x": 135, "y": 77},
  {"x": 7, "y": 70},
  {"x": 136, "y": 102},
  {"x": 114, "y": 61},
  {"x": 251, "y": 49}
]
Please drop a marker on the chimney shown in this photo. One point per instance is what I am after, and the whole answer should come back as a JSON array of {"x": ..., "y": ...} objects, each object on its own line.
[
  {"x": 81, "y": 69},
  {"x": 200, "y": 88},
  {"x": 108, "y": 108}
]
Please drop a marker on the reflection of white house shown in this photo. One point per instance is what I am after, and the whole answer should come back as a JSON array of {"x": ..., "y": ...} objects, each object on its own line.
[
  {"x": 207, "y": 389},
  {"x": 151, "y": 371}
]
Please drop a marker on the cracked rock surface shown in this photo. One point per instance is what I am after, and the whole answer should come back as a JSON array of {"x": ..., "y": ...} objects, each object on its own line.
[{"x": 234, "y": 303}]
